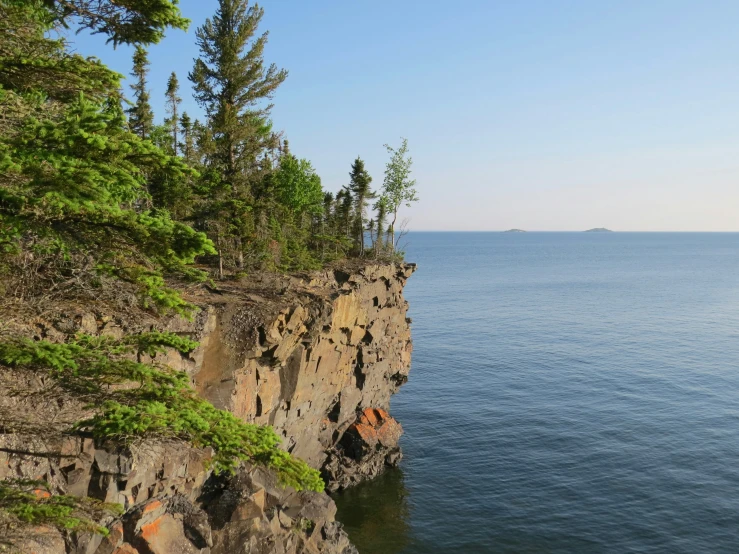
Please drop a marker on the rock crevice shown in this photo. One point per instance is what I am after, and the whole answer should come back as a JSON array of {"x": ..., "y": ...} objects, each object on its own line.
[{"x": 316, "y": 356}]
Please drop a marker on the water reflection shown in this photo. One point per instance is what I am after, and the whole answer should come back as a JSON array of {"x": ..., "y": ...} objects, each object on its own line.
[{"x": 376, "y": 514}]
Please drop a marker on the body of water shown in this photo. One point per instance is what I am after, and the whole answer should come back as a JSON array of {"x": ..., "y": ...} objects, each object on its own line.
[{"x": 570, "y": 393}]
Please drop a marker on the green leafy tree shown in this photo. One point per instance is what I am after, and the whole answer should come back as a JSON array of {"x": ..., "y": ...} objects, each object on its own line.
[
  {"x": 140, "y": 114},
  {"x": 398, "y": 188},
  {"x": 359, "y": 185},
  {"x": 298, "y": 187},
  {"x": 172, "y": 104}
]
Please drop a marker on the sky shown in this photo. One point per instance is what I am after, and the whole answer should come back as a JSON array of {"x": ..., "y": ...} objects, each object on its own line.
[{"x": 550, "y": 115}]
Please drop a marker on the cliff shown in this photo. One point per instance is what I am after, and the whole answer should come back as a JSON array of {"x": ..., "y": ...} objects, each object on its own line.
[{"x": 317, "y": 356}]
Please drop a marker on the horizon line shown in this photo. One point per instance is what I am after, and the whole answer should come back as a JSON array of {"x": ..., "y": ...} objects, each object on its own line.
[{"x": 553, "y": 231}]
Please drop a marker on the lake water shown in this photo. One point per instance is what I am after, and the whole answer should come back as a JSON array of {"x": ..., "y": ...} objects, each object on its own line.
[{"x": 570, "y": 392}]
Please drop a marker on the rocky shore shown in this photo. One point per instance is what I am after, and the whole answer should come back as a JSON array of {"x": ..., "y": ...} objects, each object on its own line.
[{"x": 317, "y": 356}]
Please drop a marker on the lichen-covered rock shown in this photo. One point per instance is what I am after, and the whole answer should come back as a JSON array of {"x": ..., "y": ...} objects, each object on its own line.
[{"x": 368, "y": 446}]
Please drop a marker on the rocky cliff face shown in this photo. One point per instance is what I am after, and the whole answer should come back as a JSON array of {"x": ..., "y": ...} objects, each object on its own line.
[{"x": 316, "y": 356}]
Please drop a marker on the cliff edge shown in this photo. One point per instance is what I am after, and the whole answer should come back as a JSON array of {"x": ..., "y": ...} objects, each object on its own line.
[{"x": 317, "y": 356}]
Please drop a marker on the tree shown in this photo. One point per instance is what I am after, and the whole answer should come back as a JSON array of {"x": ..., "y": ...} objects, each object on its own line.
[
  {"x": 359, "y": 185},
  {"x": 298, "y": 187},
  {"x": 173, "y": 102},
  {"x": 231, "y": 82},
  {"x": 129, "y": 22},
  {"x": 140, "y": 115},
  {"x": 72, "y": 176},
  {"x": 382, "y": 209},
  {"x": 398, "y": 188},
  {"x": 188, "y": 140}
]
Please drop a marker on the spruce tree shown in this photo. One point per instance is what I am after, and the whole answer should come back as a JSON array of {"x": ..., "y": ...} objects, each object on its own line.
[
  {"x": 231, "y": 82},
  {"x": 359, "y": 185},
  {"x": 172, "y": 104},
  {"x": 72, "y": 176},
  {"x": 186, "y": 126},
  {"x": 382, "y": 209},
  {"x": 129, "y": 22},
  {"x": 140, "y": 115}
]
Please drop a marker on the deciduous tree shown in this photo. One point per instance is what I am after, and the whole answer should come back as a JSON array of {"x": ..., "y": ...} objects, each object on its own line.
[{"x": 398, "y": 188}]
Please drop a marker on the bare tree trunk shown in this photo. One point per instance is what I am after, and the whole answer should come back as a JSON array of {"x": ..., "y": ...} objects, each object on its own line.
[
  {"x": 361, "y": 236},
  {"x": 391, "y": 231},
  {"x": 220, "y": 256}
]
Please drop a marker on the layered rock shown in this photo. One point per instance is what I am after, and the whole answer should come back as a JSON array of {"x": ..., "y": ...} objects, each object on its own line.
[
  {"x": 316, "y": 356},
  {"x": 310, "y": 363},
  {"x": 367, "y": 447}
]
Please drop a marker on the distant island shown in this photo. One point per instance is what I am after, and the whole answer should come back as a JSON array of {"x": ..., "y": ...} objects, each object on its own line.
[
  {"x": 514, "y": 231},
  {"x": 599, "y": 230}
]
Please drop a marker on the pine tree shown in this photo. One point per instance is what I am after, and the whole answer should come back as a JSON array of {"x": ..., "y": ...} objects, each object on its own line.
[
  {"x": 382, "y": 209},
  {"x": 140, "y": 115},
  {"x": 186, "y": 126},
  {"x": 173, "y": 102},
  {"x": 359, "y": 185},
  {"x": 231, "y": 82},
  {"x": 129, "y": 22},
  {"x": 72, "y": 176}
]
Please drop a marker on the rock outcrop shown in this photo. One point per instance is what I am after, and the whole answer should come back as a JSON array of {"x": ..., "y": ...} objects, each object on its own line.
[{"x": 316, "y": 356}]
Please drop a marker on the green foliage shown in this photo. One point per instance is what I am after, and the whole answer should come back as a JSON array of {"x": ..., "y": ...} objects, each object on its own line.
[
  {"x": 88, "y": 196},
  {"x": 129, "y": 22},
  {"x": 297, "y": 186},
  {"x": 359, "y": 185},
  {"x": 173, "y": 102},
  {"x": 162, "y": 404},
  {"x": 398, "y": 188},
  {"x": 140, "y": 114},
  {"x": 232, "y": 83},
  {"x": 73, "y": 178},
  {"x": 33, "y": 503}
]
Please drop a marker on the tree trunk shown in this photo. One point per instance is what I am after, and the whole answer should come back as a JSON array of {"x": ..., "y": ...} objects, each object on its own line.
[{"x": 391, "y": 231}]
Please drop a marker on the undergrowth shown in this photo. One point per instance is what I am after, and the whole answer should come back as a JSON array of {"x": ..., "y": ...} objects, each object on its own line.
[
  {"x": 136, "y": 400},
  {"x": 32, "y": 502}
]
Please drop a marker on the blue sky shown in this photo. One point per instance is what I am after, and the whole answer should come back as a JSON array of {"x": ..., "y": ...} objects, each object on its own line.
[{"x": 541, "y": 115}]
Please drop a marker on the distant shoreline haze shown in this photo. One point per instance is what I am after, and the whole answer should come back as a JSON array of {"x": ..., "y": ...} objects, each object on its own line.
[{"x": 523, "y": 231}]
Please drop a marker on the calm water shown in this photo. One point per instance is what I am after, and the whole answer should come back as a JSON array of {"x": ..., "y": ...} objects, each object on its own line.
[{"x": 570, "y": 392}]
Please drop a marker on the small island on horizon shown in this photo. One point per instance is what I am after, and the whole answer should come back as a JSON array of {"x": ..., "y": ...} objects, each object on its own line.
[
  {"x": 514, "y": 231},
  {"x": 599, "y": 230}
]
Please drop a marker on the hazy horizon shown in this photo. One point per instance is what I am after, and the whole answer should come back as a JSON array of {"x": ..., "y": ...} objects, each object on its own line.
[
  {"x": 552, "y": 231},
  {"x": 537, "y": 115}
]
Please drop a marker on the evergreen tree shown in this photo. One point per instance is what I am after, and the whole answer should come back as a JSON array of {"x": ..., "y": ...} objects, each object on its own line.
[
  {"x": 72, "y": 177},
  {"x": 186, "y": 126},
  {"x": 343, "y": 212},
  {"x": 231, "y": 83},
  {"x": 382, "y": 209},
  {"x": 173, "y": 102},
  {"x": 129, "y": 22},
  {"x": 140, "y": 115},
  {"x": 359, "y": 185}
]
